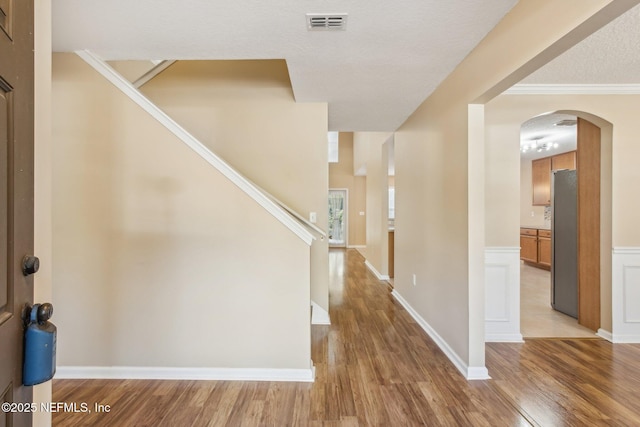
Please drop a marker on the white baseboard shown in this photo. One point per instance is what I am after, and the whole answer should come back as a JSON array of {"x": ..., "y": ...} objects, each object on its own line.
[
  {"x": 625, "y": 339},
  {"x": 504, "y": 338},
  {"x": 469, "y": 372},
  {"x": 160, "y": 373},
  {"x": 356, "y": 246},
  {"x": 605, "y": 334},
  {"x": 319, "y": 316},
  {"x": 477, "y": 373},
  {"x": 375, "y": 272}
]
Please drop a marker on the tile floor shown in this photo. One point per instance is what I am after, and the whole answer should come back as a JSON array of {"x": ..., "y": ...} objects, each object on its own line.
[{"x": 537, "y": 318}]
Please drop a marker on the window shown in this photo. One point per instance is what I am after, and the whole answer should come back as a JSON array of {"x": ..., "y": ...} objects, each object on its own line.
[{"x": 333, "y": 146}]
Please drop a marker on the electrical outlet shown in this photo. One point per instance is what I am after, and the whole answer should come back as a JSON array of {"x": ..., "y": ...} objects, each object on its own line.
[
  {"x": 313, "y": 217},
  {"x": 533, "y": 213},
  {"x": 361, "y": 213},
  {"x": 414, "y": 280}
]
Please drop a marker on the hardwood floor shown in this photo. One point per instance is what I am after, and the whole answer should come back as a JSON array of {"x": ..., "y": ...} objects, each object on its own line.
[
  {"x": 376, "y": 367},
  {"x": 569, "y": 382}
]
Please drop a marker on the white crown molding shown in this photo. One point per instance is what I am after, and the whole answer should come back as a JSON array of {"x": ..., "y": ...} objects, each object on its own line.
[
  {"x": 469, "y": 372},
  {"x": 164, "y": 373},
  {"x": 573, "y": 89},
  {"x": 253, "y": 191}
]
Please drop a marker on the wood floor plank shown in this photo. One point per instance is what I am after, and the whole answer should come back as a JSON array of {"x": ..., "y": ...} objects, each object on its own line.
[{"x": 375, "y": 366}]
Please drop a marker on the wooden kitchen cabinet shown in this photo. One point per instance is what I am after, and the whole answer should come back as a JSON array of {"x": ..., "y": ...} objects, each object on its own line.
[
  {"x": 541, "y": 180},
  {"x": 535, "y": 247},
  {"x": 544, "y": 247},
  {"x": 541, "y": 175},
  {"x": 529, "y": 248},
  {"x": 564, "y": 161}
]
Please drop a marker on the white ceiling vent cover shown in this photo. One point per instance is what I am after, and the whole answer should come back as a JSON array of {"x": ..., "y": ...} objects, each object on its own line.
[
  {"x": 326, "y": 21},
  {"x": 566, "y": 123}
]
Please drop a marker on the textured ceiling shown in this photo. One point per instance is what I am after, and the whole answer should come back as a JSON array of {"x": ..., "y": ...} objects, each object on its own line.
[
  {"x": 543, "y": 131},
  {"x": 373, "y": 75},
  {"x": 608, "y": 56}
]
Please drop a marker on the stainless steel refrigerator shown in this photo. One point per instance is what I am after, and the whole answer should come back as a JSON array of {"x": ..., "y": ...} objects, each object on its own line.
[{"x": 564, "y": 242}]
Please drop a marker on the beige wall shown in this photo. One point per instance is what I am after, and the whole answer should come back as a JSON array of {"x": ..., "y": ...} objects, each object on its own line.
[
  {"x": 377, "y": 199},
  {"x": 502, "y": 158},
  {"x": 620, "y": 153},
  {"x": 341, "y": 176},
  {"x": 43, "y": 175},
  {"x": 440, "y": 202},
  {"x": 244, "y": 112},
  {"x": 160, "y": 261},
  {"x": 619, "y": 111},
  {"x": 431, "y": 223}
]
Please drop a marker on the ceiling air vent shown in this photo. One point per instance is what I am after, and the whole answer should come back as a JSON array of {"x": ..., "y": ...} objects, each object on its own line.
[
  {"x": 565, "y": 123},
  {"x": 326, "y": 21}
]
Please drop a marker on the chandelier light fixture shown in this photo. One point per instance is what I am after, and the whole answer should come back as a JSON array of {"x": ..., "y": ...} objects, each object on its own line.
[{"x": 536, "y": 144}]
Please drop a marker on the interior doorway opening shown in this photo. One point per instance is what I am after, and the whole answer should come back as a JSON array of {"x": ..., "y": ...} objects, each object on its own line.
[
  {"x": 338, "y": 218},
  {"x": 564, "y": 141}
]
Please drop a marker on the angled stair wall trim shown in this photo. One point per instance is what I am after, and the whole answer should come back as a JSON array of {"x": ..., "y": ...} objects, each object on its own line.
[
  {"x": 314, "y": 228},
  {"x": 283, "y": 215},
  {"x": 149, "y": 75}
]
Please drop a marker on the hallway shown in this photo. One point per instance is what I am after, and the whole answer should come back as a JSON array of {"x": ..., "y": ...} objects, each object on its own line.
[{"x": 376, "y": 367}]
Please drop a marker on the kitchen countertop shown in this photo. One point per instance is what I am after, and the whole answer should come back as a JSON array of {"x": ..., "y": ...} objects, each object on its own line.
[{"x": 536, "y": 227}]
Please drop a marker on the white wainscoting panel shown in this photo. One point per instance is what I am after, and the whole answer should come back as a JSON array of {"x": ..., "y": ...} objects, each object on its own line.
[
  {"x": 502, "y": 294},
  {"x": 626, "y": 295}
]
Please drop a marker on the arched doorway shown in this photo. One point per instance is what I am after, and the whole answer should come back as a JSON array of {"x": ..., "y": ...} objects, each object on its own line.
[{"x": 546, "y": 142}]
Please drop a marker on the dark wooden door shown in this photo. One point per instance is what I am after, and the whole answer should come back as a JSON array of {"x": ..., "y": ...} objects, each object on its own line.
[{"x": 16, "y": 196}]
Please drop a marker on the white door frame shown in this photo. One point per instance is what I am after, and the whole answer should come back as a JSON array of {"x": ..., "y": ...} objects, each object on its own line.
[{"x": 346, "y": 217}]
